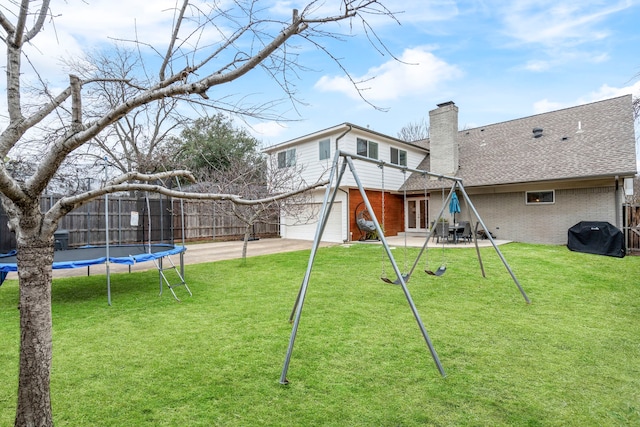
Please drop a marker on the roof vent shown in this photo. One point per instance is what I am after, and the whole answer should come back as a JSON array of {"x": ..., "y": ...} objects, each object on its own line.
[{"x": 537, "y": 132}]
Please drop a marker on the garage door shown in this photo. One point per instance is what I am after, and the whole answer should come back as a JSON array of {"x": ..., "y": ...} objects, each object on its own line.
[{"x": 332, "y": 232}]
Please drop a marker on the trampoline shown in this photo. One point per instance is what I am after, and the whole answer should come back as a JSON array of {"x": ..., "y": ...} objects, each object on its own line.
[
  {"x": 128, "y": 254},
  {"x": 86, "y": 256}
]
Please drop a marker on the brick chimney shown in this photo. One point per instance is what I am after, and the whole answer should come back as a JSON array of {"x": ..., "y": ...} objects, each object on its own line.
[{"x": 443, "y": 134}]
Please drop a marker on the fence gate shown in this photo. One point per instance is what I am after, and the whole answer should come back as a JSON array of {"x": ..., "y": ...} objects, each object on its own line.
[{"x": 631, "y": 213}]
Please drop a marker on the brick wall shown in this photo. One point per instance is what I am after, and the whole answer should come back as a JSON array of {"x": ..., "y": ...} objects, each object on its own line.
[
  {"x": 506, "y": 215},
  {"x": 509, "y": 217},
  {"x": 393, "y": 212}
]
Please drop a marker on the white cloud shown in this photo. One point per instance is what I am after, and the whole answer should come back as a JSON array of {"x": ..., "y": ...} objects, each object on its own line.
[
  {"x": 544, "y": 105},
  {"x": 79, "y": 28},
  {"x": 98, "y": 21},
  {"x": 559, "y": 58},
  {"x": 604, "y": 92},
  {"x": 268, "y": 129},
  {"x": 537, "y": 65},
  {"x": 417, "y": 72},
  {"x": 424, "y": 11},
  {"x": 553, "y": 23}
]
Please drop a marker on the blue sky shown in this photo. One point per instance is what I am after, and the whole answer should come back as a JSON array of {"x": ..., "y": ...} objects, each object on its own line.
[{"x": 497, "y": 60}]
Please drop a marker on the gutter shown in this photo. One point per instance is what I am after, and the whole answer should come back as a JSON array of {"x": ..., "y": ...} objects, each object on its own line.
[{"x": 550, "y": 180}]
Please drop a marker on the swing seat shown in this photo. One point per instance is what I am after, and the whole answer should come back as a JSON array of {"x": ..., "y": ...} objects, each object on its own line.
[
  {"x": 439, "y": 272},
  {"x": 405, "y": 277}
]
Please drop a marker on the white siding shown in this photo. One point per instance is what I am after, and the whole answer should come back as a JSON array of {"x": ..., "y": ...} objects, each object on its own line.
[
  {"x": 332, "y": 232},
  {"x": 307, "y": 156},
  {"x": 370, "y": 174},
  {"x": 312, "y": 169},
  {"x": 335, "y": 230}
]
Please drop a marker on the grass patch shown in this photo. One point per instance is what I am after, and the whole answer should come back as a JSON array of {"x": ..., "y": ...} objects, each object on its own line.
[{"x": 568, "y": 359}]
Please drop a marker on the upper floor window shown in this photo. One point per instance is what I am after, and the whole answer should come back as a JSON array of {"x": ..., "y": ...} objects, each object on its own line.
[
  {"x": 398, "y": 157},
  {"x": 325, "y": 149},
  {"x": 287, "y": 158},
  {"x": 546, "y": 197},
  {"x": 367, "y": 148}
]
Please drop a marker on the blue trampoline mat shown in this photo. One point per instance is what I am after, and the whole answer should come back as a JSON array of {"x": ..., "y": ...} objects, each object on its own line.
[{"x": 91, "y": 255}]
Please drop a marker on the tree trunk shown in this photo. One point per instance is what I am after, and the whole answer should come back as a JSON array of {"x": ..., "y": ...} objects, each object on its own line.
[
  {"x": 245, "y": 243},
  {"x": 35, "y": 260}
]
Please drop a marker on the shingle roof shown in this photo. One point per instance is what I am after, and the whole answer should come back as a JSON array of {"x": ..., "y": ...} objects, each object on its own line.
[{"x": 586, "y": 141}]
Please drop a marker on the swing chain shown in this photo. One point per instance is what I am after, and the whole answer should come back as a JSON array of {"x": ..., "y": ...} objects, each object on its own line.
[{"x": 443, "y": 267}]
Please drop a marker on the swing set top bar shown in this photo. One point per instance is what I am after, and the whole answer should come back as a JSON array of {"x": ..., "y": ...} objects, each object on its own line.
[{"x": 394, "y": 166}]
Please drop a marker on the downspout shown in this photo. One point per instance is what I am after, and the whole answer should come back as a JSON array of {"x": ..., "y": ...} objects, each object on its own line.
[
  {"x": 617, "y": 201},
  {"x": 345, "y": 191},
  {"x": 342, "y": 136}
]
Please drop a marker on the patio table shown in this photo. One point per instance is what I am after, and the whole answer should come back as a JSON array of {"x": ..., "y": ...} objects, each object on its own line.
[{"x": 457, "y": 231}]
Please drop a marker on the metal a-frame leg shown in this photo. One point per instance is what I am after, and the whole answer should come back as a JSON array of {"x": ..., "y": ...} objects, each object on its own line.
[
  {"x": 330, "y": 196},
  {"x": 396, "y": 269},
  {"x": 502, "y": 258},
  {"x": 458, "y": 184},
  {"x": 320, "y": 229},
  {"x": 327, "y": 203}
]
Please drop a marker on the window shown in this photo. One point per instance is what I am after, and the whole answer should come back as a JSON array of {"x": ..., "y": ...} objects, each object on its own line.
[
  {"x": 325, "y": 149},
  {"x": 398, "y": 157},
  {"x": 367, "y": 148},
  {"x": 287, "y": 158},
  {"x": 546, "y": 197}
]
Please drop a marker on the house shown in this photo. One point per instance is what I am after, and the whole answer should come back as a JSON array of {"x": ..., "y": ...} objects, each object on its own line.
[{"x": 530, "y": 179}]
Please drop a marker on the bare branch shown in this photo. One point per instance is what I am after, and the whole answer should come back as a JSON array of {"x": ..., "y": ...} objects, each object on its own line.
[
  {"x": 42, "y": 14},
  {"x": 67, "y": 204},
  {"x": 76, "y": 103},
  {"x": 174, "y": 37},
  {"x": 22, "y": 19},
  {"x": 7, "y": 25},
  {"x": 131, "y": 176}
]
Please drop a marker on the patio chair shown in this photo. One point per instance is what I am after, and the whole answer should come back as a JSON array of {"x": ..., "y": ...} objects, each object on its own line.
[
  {"x": 441, "y": 231},
  {"x": 467, "y": 234}
]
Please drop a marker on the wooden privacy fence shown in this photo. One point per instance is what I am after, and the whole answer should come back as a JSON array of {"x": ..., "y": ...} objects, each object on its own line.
[
  {"x": 214, "y": 220},
  {"x": 631, "y": 213},
  {"x": 130, "y": 222}
]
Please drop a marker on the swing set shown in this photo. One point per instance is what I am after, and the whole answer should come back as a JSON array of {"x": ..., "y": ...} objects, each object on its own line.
[
  {"x": 443, "y": 266},
  {"x": 338, "y": 169}
]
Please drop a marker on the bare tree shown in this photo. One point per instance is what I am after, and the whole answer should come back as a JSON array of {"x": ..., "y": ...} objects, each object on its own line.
[
  {"x": 59, "y": 124},
  {"x": 414, "y": 131},
  {"x": 254, "y": 180},
  {"x": 139, "y": 140}
]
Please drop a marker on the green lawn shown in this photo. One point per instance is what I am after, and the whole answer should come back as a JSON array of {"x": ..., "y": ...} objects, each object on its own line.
[{"x": 571, "y": 358}]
